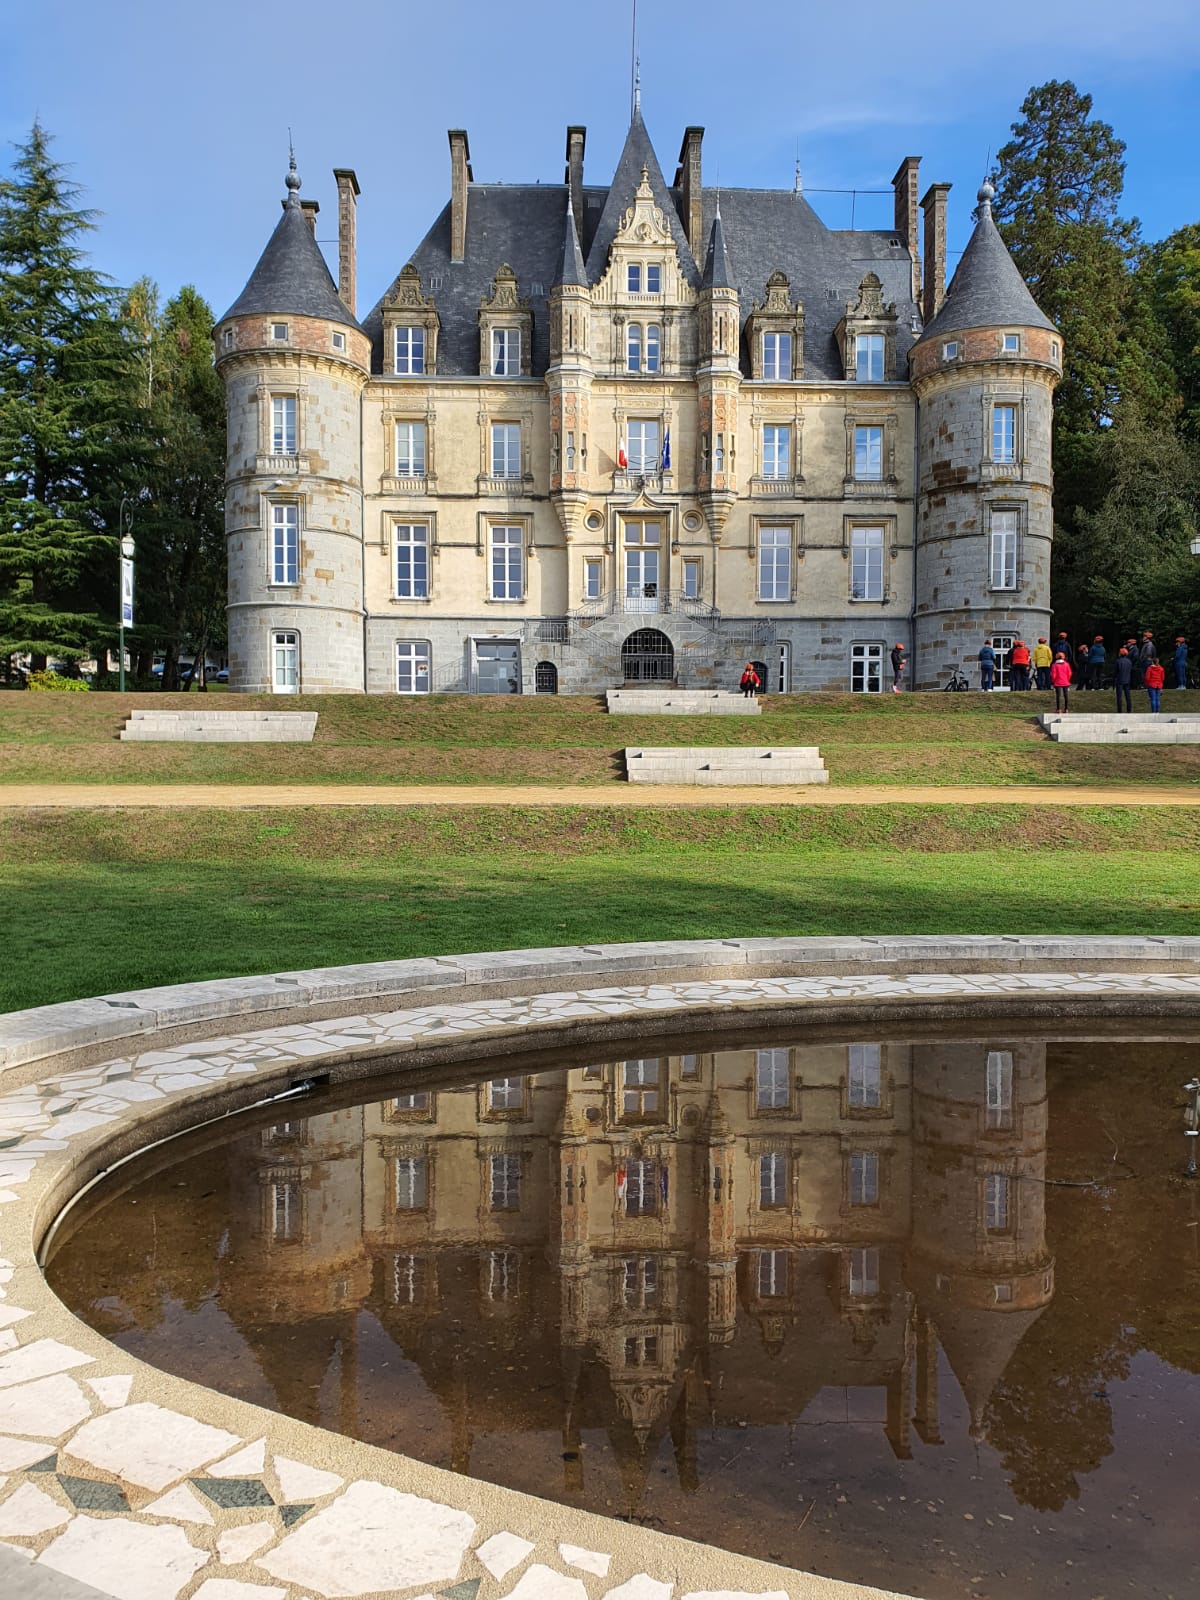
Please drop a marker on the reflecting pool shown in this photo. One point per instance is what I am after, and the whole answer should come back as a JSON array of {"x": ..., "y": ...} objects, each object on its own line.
[{"x": 916, "y": 1312}]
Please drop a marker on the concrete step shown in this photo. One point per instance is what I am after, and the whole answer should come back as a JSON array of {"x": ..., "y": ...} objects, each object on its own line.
[
  {"x": 1113, "y": 727},
  {"x": 680, "y": 703},
  {"x": 726, "y": 765},
  {"x": 219, "y": 727}
]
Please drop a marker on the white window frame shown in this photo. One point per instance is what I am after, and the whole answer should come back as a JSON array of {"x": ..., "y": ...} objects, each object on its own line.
[
  {"x": 996, "y": 1202},
  {"x": 776, "y": 450},
  {"x": 410, "y": 567},
  {"x": 999, "y": 1081},
  {"x": 867, "y": 542},
  {"x": 641, "y": 1089},
  {"x": 772, "y": 1274},
  {"x": 640, "y": 1282},
  {"x": 633, "y": 277},
  {"x": 652, "y": 348},
  {"x": 777, "y": 357},
  {"x": 653, "y": 277},
  {"x": 505, "y": 450},
  {"x": 692, "y": 577},
  {"x": 285, "y": 543},
  {"x": 864, "y": 1077},
  {"x": 410, "y": 1187},
  {"x": 279, "y": 333},
  {"x": 950, "y": 350},
  {"x": 506, "y": 560},
  {"x": 865, "y": 655},
  {"x": 642, "y": 432},
  {"x": 504, "y": 1275},
  {"x": 772, "y": 1180},
  {"x": 506, "y": 1094},
  {"x": 773, "y": 1080},
  {"x": 505, "y": 1182},
  {"x": 864, "y": 1273},
  {"x": 870, "y": 346},
  {"x": 283, "y": 424},
  {"x": 337, "y": 339},
  {"x": 506, "y": 352},
  {"x": 593, "y": 577},
  {"x": 410, "y": 443},
  {"x": 633, "y": 347},
  {"x": 863, "y": 1178},
  {"x": 641, "y": 1187},
  {"x": 775, "y": 562},
  {"x": 868, "y": 452},
  {"x": 286, "y": 1211},
  {"x": 1004, "y": 430},
  {"x": 1004, "y": 531},
  {"x": 408, "y": 349},
  {"x": 411, "y": 656},
  {"x": 285, "y": 640},
  {"x": 1010, "y": 344}
]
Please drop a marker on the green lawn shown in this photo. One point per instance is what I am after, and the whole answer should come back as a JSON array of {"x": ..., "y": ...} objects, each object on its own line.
[
  {"x": 148, "y": 897},
  {"x": 551, "y": 741}
]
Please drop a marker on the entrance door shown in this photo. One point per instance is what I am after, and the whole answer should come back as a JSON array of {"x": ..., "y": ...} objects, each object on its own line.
[
  {"x": 498, "y": 666},
  {"x": 1002, "y": 644},
  {"x": 785, "y": 669},
  {"x": 866, "y": 669},
  {"x": 643, "y": 544},
  {"x": 648, "y": 657},
  {"x": 285, "y": 663}
]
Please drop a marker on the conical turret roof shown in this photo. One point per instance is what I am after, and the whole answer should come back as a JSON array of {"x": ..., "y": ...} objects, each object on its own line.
[
  {"x": 718, "y": 274},
  {"x": 291, "y": 276},
  {"x": 572, "y": 273},
  {"x": 987, "y": 291},
  {"x": 637, "y": 153}
]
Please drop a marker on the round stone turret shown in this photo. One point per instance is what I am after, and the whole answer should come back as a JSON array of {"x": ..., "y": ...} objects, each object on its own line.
[
  {"x": 294, "y": 361},
  {"x": 984, "y": 370}
]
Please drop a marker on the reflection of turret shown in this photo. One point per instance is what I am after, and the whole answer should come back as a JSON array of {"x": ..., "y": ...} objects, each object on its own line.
[{"x": 978, "y": 1260}]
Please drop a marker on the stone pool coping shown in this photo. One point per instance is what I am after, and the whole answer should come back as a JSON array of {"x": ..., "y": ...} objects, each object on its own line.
[{"x": 148, "y": 1487}]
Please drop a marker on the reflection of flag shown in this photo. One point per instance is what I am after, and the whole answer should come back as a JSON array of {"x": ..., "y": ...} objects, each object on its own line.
[
  {"x": 621, "y": 1177},
  {"x": 622, "y": 458},
  {"x": 662, "y": 1183},
  {"x": 666, "y": 451}
]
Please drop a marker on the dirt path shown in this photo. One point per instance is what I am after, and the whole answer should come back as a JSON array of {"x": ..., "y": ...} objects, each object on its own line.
[{"x": 97, "y": 796}]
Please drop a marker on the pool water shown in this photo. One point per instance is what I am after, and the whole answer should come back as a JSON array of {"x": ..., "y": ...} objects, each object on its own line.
[{"x": 921, "y": 1312}]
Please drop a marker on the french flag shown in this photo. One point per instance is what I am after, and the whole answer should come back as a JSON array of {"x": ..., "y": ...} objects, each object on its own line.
[{"x": 622, "y": 458}]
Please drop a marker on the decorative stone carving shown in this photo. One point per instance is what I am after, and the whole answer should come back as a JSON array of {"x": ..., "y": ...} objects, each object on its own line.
[
  {"x": 405, "y": 306},
  {"x": 776, "y": 314}
]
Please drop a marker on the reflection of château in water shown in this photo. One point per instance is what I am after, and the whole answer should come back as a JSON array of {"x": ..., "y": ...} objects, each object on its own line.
[{"x": 664, "y": 1243}]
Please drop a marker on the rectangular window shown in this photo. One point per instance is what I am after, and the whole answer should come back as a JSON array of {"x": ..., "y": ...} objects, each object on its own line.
[
  {"x": 283, "y": 425},
  {"x": 633, "y": 278},
  {"x": 777, "y": 452},
  {"x": 412, "y": 666},
  {"x": 866, "y": 563},
  {"x": 338, "y": 340},
  {"x": 412, "y": 560},
  {"x": 642, "y": 1352},
  {"x": 633, "y": 347},
  {"x": 653, "y": 278},
  {"x": 407, "y": 1285},
  {"x": 864, "y": 1178},
  {"x": 691, "y": 579},
  {"x": 285, "y": 1212},
  {"x": 506, "y": 352},
  {"x": 410, "y": 1102},
  {"x": 995, "y": 1202},
  {"x": 410, "y": 449},
  {"x": 593, "y": 579},
  {"x": 1012, "y": 344},
  {"x": 772, "y": 1179},
  {"x": 865, "y": 1073},
  {"x": 640, "y": 1096},
  {"x": 689, "y": 1066},
  {"x": 645, "y": 445},
  {"x": 506, "y": 1183},
  {"x": 772, "y": 1273},
  {"x": 506, "y": 449},
  {"x": 866, "y": 668},
  {"x": 279, "y": 332},
  {"x": 285, "y": 543},
  {"x": 506, "y": 1094},
  {"x": 641, "y": 1188},
  {"x": 1004, "y": 550},
  {"x": 641, "y": 1282},
  {"x": 772, "y": 1080},
  {"x": 410, "y": 1183},
  {"x": 777, "y": 356},
  {"x": 410, "y": 350},
  {"x": 950, "y": 350},
  {"x": 497, "y": 667},
  {"x": 774, "y": 563},
  {"x": 999, "y": 1089},
  {"x": 508, "y": 578},
  {"x": 864, "y": 1273},
  {"x": 653, "y": 346},
  {"x": 868, "y": 358},
  {"x": 1004, "y": 434},
  {"x": 504, "y": 1275},
  {"x": 868, "y": 453}
]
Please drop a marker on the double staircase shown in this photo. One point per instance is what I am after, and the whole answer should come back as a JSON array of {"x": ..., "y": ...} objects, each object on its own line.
[{"x": 221, "y": 727}]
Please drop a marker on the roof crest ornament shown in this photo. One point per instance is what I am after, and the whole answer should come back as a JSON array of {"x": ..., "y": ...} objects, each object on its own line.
[
  {"x": 292, "y": 181},
  {"x": 985, "y": 197}
]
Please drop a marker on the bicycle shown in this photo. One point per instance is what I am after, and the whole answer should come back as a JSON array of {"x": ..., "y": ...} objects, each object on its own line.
[{"x": 958, "y": 682}]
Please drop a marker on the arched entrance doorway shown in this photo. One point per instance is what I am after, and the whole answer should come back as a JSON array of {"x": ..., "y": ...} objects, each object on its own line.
[
  {"x": 647, "y": 657},
  {"x": 545, "y": 678}
]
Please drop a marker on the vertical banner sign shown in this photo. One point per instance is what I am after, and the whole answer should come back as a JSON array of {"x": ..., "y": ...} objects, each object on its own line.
[{"x": 126, "y": 593}]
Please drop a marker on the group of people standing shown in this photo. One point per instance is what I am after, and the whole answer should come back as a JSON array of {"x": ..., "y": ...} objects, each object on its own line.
[{"x": 1136, "y": 665}]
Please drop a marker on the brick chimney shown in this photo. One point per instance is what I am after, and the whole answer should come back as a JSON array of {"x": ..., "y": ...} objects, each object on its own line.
[
  {"x": 573, "y": 177},
  {"x": 934, "y": 207},
  {"x": 691, "y": 199},
  {"x": 905, "y": 189},
  {"x": 348, "y": 191},
  {"x": 310, "y": 209},
  {"x": 461, "y": 178}
]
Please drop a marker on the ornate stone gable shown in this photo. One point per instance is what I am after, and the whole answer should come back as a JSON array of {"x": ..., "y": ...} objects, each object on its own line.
[
  {"x": 644, "y": 238},
  {"x": 404, "y": 306},
  {"x": 777, "y": 314},
  {"x": 505, "y": 296},
  {"x": 503, "y": 317},
  {"x": 865, "y": 317}
]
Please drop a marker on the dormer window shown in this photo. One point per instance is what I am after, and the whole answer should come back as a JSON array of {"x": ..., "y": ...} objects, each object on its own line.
[
  {"x": 410, "y": 328},
  {"x": 867, "y": 335},
  {"x": 777, "y": 356},
  {"x": 653, "y": 278},
  {"x": 633, "y": 277},
  {"x": 775, "y": 334},
  {"x": 410, "y": 351},
  {"x": 868, "y": 358},
  {"x": 506, "y": 352},
  {"x": 505, "y": 329},
  {"x": 1011, "y": 344}
]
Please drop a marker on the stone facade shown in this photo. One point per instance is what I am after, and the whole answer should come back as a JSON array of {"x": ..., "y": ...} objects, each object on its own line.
[{"x": 558, "y": 458}]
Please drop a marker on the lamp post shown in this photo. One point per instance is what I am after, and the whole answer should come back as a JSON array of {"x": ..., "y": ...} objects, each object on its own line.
[{"x": 125, "y": 584}]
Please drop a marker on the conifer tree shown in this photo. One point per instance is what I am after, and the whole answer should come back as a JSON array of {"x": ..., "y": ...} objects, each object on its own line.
[{"x": 68, "y": 420}]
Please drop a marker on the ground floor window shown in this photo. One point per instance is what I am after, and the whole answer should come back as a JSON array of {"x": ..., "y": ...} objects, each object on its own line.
[
  {"x": 866, "y": 668},
  {"x": 412, "y": 666},
  {"x": 497, "y": 666},
  {"x": 285, "y": 663},
  {"x": 785, "y": 669}
]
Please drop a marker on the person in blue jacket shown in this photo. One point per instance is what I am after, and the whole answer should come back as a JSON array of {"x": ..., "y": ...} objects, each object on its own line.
[
  {"x": 987, "y": 665},
  {"x": 1097, "y": 656},
  {"x": 1180, "y": 662}
]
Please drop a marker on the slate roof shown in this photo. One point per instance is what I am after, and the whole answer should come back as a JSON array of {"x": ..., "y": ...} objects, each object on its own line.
[
  {"x": 291, "y": 275},
  {"x": 572, "y": 272},
  {"x": 717, "y": 272},
  {"x": 763, "y": 230},
  {"x": 987, "y": 290}
]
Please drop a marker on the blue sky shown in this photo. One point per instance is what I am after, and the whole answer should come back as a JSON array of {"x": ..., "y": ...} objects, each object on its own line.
[{"x": 175, "y": 119}]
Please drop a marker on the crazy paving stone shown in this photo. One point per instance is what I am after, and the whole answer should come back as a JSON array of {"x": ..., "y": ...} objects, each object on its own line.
[
  {"x": 587, "y": 1560},
  {"x": 502, "y": 1552},
  {"x": 461, "y": 1591},
  {"x": 125, "y": 1559},
  {"x": 231, "y": 1589},
  {"x": 18, "y": 1453},
  {"x": 230, "y": 1493},
  {"x": 543, "y": 1583},
  {"x": 48, "y": 1407},
  {"x": 239, "y": 1544},
  {"x": 373, "y": 1537},
  {"x": 149, "y": 1445},
  {"x": 42, "y": 1359},
  {"x": 289, "y": 1515},
  {"x": 90, "y": 1494},
  {"x": 28, "y": 1511},
  {"x": 181, "y": 1505},
  {"x": 301, "y": 1482},
  {"x": 110, "y": 1391},
  {"x": 247, "y": 1463}
]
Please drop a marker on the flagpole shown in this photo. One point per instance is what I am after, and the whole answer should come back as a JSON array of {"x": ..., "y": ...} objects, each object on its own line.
[{"x": 632, "y": 61}]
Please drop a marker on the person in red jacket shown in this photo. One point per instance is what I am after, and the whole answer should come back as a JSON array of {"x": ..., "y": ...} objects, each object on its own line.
[
  {"x": 1152, "y": 682},
  {"x": 1060, "y": 677},
  {"x": 1019, "y": 662}
]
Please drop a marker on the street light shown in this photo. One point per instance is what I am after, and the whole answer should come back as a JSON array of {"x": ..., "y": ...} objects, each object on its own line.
[{"x": 125, "y": 580}]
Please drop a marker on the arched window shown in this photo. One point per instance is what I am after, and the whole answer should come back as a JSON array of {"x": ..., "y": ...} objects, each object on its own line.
[{"x": 633, "y": 347}]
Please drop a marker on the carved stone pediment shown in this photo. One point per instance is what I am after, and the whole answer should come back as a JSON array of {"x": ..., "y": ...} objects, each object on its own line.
[
  {"x": 778, "y": 301},
  {"x": 405, "y": 294},
  {"x": 870, "y": 300},
  {"x": 504, "y": 293},
  {"x": 644, "y": 222}
]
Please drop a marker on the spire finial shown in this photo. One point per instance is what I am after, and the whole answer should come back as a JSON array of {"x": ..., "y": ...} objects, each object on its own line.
[
  {"x": 985, "y": 197},
  {"x": 637, "y": 85},
  {"x": 798, "y": 187},
  {"x": 293, "y": 177}
]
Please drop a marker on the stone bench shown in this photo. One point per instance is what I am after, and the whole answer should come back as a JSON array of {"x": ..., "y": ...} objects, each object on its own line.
[
  {"x": 220, "y": 727},
  {"x": 1113, "y": 727},
  {"x": 681, "y": 703},
  {"x": 726, "y": 765}
]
